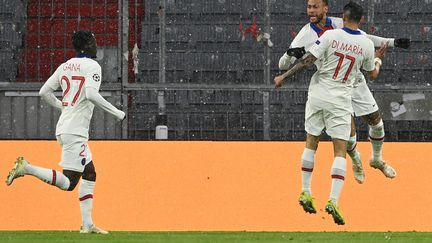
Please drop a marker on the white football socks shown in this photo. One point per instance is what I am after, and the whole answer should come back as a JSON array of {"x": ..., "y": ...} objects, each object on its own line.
[
  {"x": 352, "y": 147},
  {"x": 376, "y": 136},
  {"x": 308, "y": 162},
  {"x": 49, "y": 176},
  {"x": 86, "y": 201},
  {"x": 338, "y": 172}
]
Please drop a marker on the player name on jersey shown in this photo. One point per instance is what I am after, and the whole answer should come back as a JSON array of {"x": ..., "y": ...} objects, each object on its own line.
[
  {"x": 75, "y": 67},
  {"x": 357, "y": 49}
]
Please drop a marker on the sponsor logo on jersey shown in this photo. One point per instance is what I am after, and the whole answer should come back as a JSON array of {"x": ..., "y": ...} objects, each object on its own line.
[{"x": 317, "y": 42}]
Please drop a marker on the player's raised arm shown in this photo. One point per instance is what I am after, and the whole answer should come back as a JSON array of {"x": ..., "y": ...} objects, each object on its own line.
[
  {"x": 47, "y": 91},
  {"x": 305, "y": 63},
  {"x": 403, "y": 43},
  {"x": 379, "y": 55}
]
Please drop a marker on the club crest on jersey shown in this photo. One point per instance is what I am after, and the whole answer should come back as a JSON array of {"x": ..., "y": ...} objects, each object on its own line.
[
  {"x": 317, "y": 42},
  {"x": 96, "y": 77}
]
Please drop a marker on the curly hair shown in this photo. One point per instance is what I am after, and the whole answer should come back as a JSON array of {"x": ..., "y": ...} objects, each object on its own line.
[{"x": 82, "y": 40}]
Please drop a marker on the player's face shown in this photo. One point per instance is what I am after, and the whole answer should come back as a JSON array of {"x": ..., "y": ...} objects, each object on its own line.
[{"x": 316, "y": 10}]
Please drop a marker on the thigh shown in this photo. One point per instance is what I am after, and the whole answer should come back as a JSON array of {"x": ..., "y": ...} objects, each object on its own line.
[
  {"x": 338, "y": 123},
  {"x": 76, "y": 153},
  {"x": 363, "y": 102},
  {"x": 314, "y": 120}
]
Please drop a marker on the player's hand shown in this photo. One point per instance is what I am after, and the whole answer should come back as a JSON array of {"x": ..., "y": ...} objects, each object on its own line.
[
  {"x": 122, "y": 115},
  {"x": 296, "y": 52},
  {"x": 402, "y": 43},
  {"x": 380, "y": 53},
  {"x": 278, "y": 81}
]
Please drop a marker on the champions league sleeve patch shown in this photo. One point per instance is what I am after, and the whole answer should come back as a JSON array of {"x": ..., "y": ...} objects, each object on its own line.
[{"x": 96, "y": 77}]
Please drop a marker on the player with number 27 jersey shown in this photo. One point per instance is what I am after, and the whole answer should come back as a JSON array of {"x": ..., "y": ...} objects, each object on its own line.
[{"x": 75, "y": 76}]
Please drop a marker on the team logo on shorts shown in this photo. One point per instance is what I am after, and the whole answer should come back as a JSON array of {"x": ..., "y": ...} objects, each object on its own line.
[
  {"x": 83, "y": 161},
  {"x": 96, "y": 77}
]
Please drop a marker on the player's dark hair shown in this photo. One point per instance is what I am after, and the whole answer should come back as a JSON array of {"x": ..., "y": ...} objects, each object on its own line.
[
  {"x": 82, "y": 40},
  {"x": 325, "y": 2},
  {"x": 353, "y": 11}
]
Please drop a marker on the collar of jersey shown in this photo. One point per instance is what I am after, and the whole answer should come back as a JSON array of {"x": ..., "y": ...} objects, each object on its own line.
[
  {"x": 81, "y": 55},
  {"x": 327, "y": 26},
  {"x": 352, "y": 32}
]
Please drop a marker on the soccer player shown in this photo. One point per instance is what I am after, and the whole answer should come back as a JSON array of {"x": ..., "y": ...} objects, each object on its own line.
[
  {"x": 363, "y": 102},
  {"x": 80, "y": 79},
  {"x": 339, "y": 54}
]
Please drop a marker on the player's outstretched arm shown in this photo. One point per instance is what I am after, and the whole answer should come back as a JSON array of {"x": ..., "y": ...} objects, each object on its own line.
[
  {"x": 392, "y": 42},
  {"x": 93, "y": 96},
  {"x": 47, "y": 94},
  {"x": 306, "y": 62}
]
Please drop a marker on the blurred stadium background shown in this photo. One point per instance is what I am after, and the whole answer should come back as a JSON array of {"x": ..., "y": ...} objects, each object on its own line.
[{"x": 203, "y": 64}]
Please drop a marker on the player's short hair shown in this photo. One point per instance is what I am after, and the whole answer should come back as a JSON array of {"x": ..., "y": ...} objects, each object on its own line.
[
  {"x": 353, "y": 11},
  {"x": 82, "y": 39},
  {"x": 325, "y": 2}
]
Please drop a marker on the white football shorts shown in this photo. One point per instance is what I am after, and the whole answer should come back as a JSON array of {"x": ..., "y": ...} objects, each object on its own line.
[
  {"x": 336, "y": 120},
  {"x": 363, "y": 102},
  {"x": 76, "y": 153}
]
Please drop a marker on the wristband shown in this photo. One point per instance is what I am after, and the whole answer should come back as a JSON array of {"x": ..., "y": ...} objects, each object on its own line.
[{"x": 378, "y": 60}]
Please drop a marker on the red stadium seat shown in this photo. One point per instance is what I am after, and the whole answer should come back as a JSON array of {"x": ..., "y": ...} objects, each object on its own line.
[{"x": 71, "y": 10}]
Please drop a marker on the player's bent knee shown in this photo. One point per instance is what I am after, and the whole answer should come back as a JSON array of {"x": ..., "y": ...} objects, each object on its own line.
[
  {"x": 73, "y": 177},
  {"x": 373, "y": 118},
  {"x": 89, "y": 172}
]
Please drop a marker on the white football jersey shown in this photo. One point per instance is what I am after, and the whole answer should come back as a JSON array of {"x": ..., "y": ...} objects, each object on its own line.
[
  {"x": 310, "y": 33},
  {"x": 74, "y": 77},
  {"x": 343, "y": 53}
]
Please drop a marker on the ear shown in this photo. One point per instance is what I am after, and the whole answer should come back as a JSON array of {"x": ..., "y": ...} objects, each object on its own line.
[
  {"x": 344, "y": 17},
  {"x": 326, "y": 8}
]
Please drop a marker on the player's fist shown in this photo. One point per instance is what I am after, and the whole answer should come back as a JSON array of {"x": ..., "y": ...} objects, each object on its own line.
[
  {"x": 297, "y": 52},
  {"x": 121, "y": 115},
  {"x": 402, "y": 43},
  {"x": 278, "y": 81}
]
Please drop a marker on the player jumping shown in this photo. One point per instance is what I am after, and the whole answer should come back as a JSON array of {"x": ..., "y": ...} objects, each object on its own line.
[
  {"x": 363, "y": 102},
  {"x": 339, "y": 54}
]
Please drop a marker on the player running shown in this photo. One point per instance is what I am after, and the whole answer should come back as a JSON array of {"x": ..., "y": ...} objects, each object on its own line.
[
  {"x": 80, "y": 79},
  {"x": 363, "y": 102},
  {"x": 339, "y": 54}
]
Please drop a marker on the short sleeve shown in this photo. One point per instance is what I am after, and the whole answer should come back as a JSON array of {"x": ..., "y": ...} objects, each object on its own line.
[
  {"x": 321, "y": 45},
  {"x": 94, "y": 76},
  {"x": 369, "y": 61},
  {"x": 300, "y": 39}
]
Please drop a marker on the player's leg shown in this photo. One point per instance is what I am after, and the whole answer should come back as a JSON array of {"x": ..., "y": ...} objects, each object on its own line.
[
  {"x": 65, "y": 181},
  {"x": 365, "y": 106},
  {"x": 308, "y": 161},
  {"x": 357, "y": 164},
  {"x": 86, "y": 192},
  {"x": 313, "y": 125},
  {"x": 338, "y": 126},
  {"x": 376, "y": 137}
]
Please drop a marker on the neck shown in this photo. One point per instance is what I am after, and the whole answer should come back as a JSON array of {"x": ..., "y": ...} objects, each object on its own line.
[
  {"x": 351, "y": 25},
  {"x": 83, "y": 55},
  {"x": 322, "y": 22}
]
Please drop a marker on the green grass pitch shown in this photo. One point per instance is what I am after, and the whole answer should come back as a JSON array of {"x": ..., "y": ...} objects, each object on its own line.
[{"x": 211, "y": 237}]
